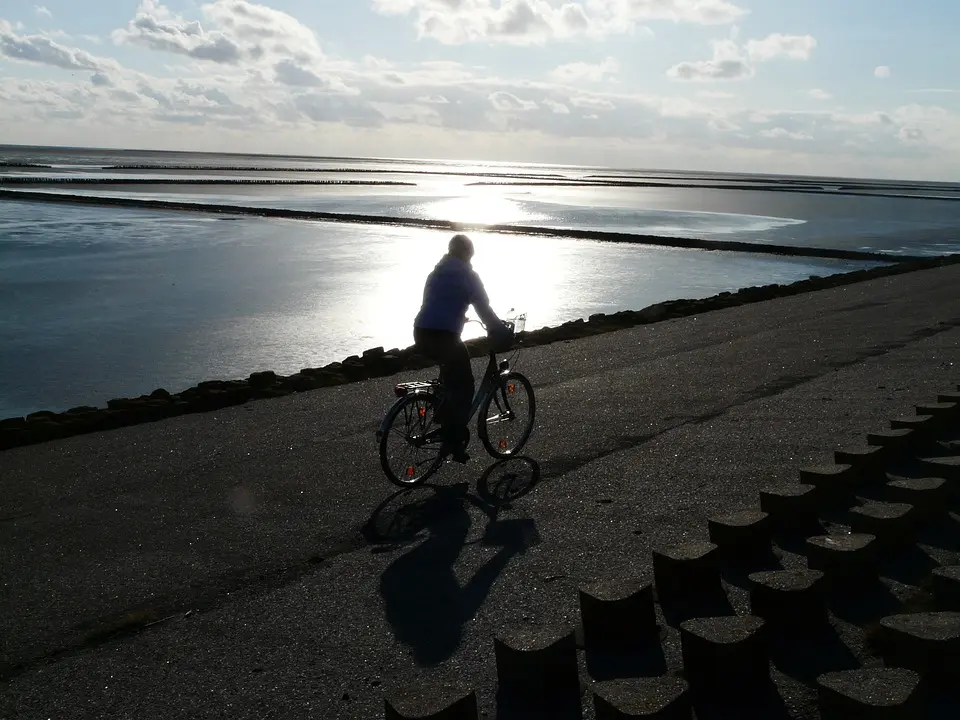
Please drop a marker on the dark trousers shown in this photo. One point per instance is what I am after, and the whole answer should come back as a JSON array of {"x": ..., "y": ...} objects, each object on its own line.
[{"x": 448, "y": 351}]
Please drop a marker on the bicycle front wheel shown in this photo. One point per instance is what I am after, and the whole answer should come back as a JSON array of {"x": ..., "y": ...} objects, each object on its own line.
[
  {"x": 410, "y": 445},
  {"x": 506, "y": 416}
]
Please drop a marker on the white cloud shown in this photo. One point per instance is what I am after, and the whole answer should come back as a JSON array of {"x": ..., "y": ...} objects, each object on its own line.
[
  {"x": 508, "y": 102},
  {"x": 781, "y": 133},
  {"x": 592, "y": 103},
  {"x": 881, "y": 72},
  {"x": 41, "y": 49},
  {"x": 42, "y": 11},
  {"x": 727, "y": 64},
  {"x": 735, "y": 62},
  {"x": 818, "y": 94},
  {"x": 244, "y": 31},
  {"x": 777, "y": 45},
  {"x": 576, "y": 72},
  {"x": 558, "y": 108},
  {"x": 537, "y": 21}
]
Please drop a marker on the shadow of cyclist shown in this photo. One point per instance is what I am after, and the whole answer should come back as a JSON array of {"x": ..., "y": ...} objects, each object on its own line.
[{"x": 424, "y": 601}]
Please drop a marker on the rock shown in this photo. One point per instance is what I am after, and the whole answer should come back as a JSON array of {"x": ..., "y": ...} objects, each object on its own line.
[
  {"x": 725, "y": 657},
  {"x": 843, "y": 558},
  {"x": 661, "y": 698},
  {"x": 160, "y": 394},
  {"x": 41, "y": 416},
  {"x": 300, "y": 382},
  {"x": 13, "y": 423},
  {"x": 945, "y": 583},
  {"x": 946, "y": 467},
  {"x": 432, "y": 701},
  {"x": 372, "y": 353},
  {"x": 882, "y": 693},
  {"x": 263, "y": 379},
  {"x": 928, "y": 643},
  {"x": 741, "y": 536},
  {"x": 618, "y": 615},
  {"x": 789, "y": 599},
  {"x": 537, "y": 667},
  {"x": 82, "y": 410}
]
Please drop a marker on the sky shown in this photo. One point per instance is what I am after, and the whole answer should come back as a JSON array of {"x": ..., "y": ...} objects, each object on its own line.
[{"x": 863, "y": 88}]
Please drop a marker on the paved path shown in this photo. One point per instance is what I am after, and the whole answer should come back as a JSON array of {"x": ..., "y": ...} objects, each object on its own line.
[{"x": 312, "y": 589}]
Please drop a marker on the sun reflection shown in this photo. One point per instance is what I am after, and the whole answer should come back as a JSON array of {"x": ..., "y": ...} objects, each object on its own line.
[{"x": 487, "y": 206}]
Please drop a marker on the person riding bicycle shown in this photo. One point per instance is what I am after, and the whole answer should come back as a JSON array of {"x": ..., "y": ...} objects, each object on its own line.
[{"x": 451, "y": 287}]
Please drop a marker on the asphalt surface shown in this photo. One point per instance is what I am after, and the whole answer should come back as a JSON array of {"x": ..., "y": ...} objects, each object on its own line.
[{"x": 287, "y": 579}]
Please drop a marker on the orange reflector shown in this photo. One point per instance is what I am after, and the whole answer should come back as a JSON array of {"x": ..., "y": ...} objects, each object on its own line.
[
  {"x": 511, "y": 388},
  {"x": 410, "y": 471},
  {"x": 503, "y": 444},
  {"x": 423, "y": 412}
]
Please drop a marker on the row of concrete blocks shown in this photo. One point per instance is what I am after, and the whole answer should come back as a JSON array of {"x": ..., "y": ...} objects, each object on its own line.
[{"x": 728, "y": 658}]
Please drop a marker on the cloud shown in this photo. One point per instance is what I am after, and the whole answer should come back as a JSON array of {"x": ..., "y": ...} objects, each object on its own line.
[
  {"x": 522, "y": 22},
  {"x": 243, "y": 31},
  {"x": 727, "y": 64},
  {"x": 735, "y": 62},
  {"x": 42, "y": 11},
  {"x": 777, "y": 45},
  {"x": 508, "y": 102},
  {"x": 781, "y": 133},
  {"x": 42, "y": 50},
  {"x": 881, "y": 72},
  {"x": 818, "y": 94},
  {"x": 572, "y": 73}
]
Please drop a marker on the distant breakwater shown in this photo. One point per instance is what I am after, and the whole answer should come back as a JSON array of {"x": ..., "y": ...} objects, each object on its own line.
[
  {"x": 448, "y": 225},
  {"x": 212, "y": 395},
  {"x": 33, "y": 181}
]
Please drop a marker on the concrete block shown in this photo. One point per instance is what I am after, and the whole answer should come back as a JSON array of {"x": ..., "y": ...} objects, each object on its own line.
[
  {"x": 834, "y": 483},
  {"x": 946, "y": 467},
  {"x": 432, "y": 701},
  {"x": 942, "y": 412},
  {"x": 844, "y": 558},
  {"x": 618, "y": 615},
  {"x": 922, "y": 425},
  {"x": 790, "y": 506},
  {"x": 891, "y": 523},
  {"x": 741, "y": 536},
  {"x": 946, "y": 587},
  {"x": 895, "y": 440},
  {"x": 953, "y": 397},
  {"x": 789, "y": 599},
  {"x": 725, "y": 657},
  {"x": 928, "y": 643},
  {"x": 662, "y": 698},
  {"x": 866, "y": 462},
  {"x": 690, "y": 569},
  {"x": 927, "y": 495},
  {"x": 868, "y": 693},
  {"x": 537, "y": 667}
]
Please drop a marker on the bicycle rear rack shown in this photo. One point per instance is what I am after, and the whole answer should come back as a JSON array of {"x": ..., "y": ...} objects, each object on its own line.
[{"x": 405, "y": 388}]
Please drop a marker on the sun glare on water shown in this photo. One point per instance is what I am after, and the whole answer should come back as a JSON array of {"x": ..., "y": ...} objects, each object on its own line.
[{"x": 488, "y": 207}]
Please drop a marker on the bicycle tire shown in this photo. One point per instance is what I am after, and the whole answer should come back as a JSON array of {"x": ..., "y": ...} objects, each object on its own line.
[
  {"x": 408, "y": 478},
  {"x": 518, "y": 380}
]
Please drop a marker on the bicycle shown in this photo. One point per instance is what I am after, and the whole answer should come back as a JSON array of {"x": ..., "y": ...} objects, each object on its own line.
[{"x": 418, "y": 401}]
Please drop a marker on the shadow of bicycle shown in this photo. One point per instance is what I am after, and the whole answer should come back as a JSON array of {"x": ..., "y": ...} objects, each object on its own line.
[
  {"x": 407, "y": 515},
  {"x": 424, "y": 600}
]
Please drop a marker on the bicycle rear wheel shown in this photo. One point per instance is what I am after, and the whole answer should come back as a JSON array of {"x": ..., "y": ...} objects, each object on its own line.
[
  {"x": 506, "y": 417},
  {"x": 411, "y": 442}
]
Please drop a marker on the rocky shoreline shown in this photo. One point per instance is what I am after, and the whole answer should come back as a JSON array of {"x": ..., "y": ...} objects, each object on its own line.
[{"x": 212, "y": 395}]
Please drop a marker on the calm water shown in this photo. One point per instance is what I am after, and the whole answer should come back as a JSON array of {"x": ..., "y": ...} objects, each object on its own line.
[{"x": 100, "y": 302}]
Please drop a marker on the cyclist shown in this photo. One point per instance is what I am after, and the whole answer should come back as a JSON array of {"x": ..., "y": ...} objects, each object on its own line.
[{"x": 451, "y": 287}]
